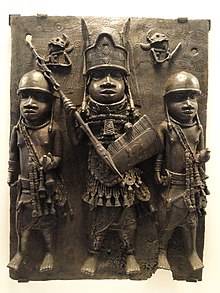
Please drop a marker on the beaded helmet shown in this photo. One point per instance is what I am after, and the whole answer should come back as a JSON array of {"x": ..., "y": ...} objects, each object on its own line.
[
  {"x": 105, "y": 53},
  {"x": 108, "y": 50}
]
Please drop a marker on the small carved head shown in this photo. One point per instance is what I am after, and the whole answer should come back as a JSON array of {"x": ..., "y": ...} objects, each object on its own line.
[{"x": 36, "y": 97}]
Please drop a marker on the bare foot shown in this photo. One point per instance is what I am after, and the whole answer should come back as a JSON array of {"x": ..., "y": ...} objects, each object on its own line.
[
  {"x": 16, "y": 261},
  {"x": 163, "y": 261},
  {"x": 89, "y": 266},
  {"x": 47, "y": 264},
  {"x": 195, "y": 261},
  {"x": 132, "y": 267}
]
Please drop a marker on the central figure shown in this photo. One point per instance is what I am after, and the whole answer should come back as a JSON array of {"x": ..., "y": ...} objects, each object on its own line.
[{"x": 109, "y": 111}]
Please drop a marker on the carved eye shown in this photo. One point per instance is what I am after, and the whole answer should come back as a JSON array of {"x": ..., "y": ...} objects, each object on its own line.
[
  {"x": 98, "y": 74},
  {"x": 41, "y": 97},
  {"x": 178, "y": 97},
  {"x": 23, "y": 96},
  {"x": 116, "y": 74},
  {"x": 193, "y": 96}
]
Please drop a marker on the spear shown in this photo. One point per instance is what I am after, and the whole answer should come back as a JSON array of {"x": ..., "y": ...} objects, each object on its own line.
[{"x": 70, "y": 108}]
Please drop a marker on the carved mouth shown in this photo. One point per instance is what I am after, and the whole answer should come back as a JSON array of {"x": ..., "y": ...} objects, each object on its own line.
[
  {"x": 107, "y": 92},
  {"x": 188, "y": 111},
  {"x": 30, "y": 111}
]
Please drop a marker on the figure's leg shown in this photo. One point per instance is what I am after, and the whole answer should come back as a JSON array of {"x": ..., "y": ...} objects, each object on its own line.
[
  {"x": 90, "y": 265},
  {"x": 127, "y": 235},
  {"x": 189, "y": 232},
  {"x": 22, "y": 250},
  {"x": 48, "y": 261},
  {"x": 164, "y": 238}
]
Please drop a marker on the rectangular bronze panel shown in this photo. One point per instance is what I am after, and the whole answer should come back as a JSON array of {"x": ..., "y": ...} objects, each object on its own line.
[{"x": 150, "y": 66}]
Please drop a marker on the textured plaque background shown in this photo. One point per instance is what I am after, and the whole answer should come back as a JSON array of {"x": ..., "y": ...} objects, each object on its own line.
[{"x": 147, "y": 84}]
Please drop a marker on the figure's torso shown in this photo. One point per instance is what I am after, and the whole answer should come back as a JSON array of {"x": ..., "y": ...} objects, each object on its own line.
[
  {"x": 41, "y": 141},
  {"x": 175, "y": 149}
]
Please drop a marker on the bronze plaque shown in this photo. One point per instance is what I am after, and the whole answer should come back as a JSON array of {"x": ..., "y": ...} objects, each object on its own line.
[{"x": 80, "y": 88}]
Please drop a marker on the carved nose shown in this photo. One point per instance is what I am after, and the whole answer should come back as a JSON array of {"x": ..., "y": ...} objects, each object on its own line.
[
  {"x": 108, "y": 83},
  {"x": 188, "y": 102},
  {"x": 30, "y": 101},
  {"x": 107, "y": 79}
]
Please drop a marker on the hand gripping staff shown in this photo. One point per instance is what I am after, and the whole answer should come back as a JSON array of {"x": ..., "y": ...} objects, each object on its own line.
[{"x": 70, "y": 107}]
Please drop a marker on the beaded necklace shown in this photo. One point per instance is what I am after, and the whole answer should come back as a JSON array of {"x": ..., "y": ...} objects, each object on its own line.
[{"x": 193, "y": 179}]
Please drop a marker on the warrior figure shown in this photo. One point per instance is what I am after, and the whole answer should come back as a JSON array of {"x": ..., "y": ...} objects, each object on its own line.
[
  {"x": 35, "y": 154},
  {"x": 109, "y": 110},
  {"x": 179, "y": 169}
]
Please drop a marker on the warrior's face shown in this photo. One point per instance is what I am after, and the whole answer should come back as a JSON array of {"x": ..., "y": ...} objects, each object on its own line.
[
  {"x": 35, "y": 107},
  {"x": 107, "y": 86},
  {"x": 183, "y": 106}
]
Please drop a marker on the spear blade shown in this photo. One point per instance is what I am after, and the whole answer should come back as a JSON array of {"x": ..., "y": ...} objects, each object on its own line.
[{"x": 100, "y": 149}]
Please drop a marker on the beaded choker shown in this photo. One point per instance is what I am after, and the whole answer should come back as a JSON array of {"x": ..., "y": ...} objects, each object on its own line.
[
  {"x": 35, "y": 127},
  {"x": 184, "y": 125}
]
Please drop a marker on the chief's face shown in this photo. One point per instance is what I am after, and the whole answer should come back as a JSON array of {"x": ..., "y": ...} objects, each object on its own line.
[
  {"x": 183, "y": 106},
  {"x": 35, "y": 107},
  {"x": 107, "y": 86}
]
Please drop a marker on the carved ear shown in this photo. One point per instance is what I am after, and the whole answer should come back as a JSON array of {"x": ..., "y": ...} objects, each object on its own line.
[
  {"x": 66, "y": 39},
  {"x": 85, "y": 33},
  {"x": 148, "y": 35},
  {"x": 125, "y": 32},
  {"x": 145, "y": 47}
]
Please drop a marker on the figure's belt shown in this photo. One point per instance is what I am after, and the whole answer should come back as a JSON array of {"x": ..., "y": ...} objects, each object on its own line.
[
  {"x": 25, "y": 183},
  {"x": 177, "y": 178}
]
